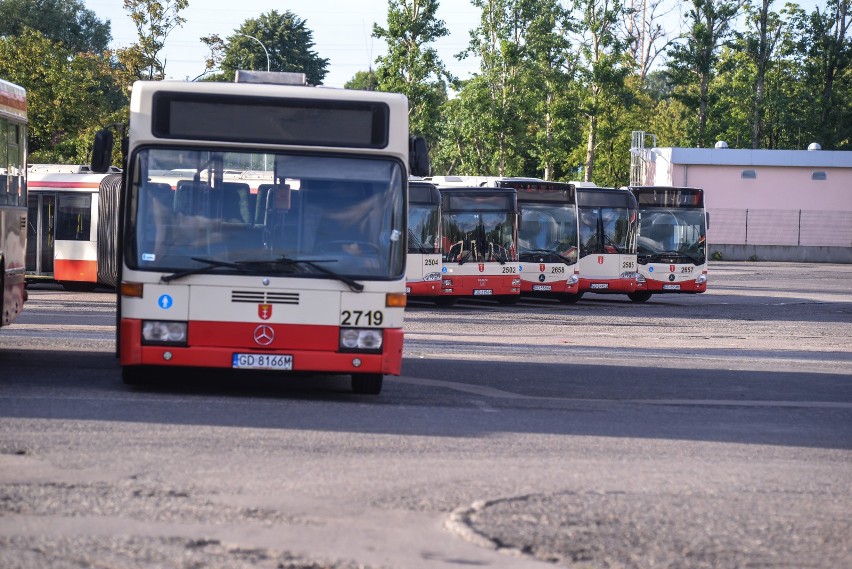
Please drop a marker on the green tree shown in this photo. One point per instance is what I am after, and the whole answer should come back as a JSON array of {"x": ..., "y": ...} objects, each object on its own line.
[
  {"x": 411, "y": 67},
  {"x": 64, "y": 21},
  {"x": 825, "y": 47},
  {"x": 69, "y": 96},
  {"x": 274, "y": 40},
  {"x": 603, "y": 68},
  {"x": 363, "y": 80},
  {"x": 154, "y": 21},
  {"x": 692, "y": 61}
]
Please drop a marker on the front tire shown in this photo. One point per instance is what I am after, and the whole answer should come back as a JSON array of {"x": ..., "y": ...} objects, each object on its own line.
[
  {"x": 367, "y": 383},
  {"x": 641, "y": 296},
  {"x": 134, "y": 375}
]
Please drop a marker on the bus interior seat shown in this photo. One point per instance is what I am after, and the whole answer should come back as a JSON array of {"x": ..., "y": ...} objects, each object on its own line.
[
  {"x": 235, "y": 202},
  {"x": 260, "y": 203},
  {"x": 192, "y": 198}
]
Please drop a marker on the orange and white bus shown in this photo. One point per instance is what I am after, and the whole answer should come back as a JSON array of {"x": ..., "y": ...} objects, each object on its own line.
[
  {"x": 608, "y": 228},
  {"x": 313, "y": 279},
  {"x": 478, "y": 244},
  {"x": 423, "y": 264},
  {"x": 548, "y": 235},
  {"x": 66, "y": 213},
  {"x": 13, "y": 199},
  {"x": 672, "y": 241}
]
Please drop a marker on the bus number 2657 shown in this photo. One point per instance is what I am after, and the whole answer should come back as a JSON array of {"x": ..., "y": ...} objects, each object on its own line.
[{"x": 361, "y": 318}]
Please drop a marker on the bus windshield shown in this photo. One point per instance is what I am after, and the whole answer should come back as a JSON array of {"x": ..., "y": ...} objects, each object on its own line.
[
  {"x": 605, "y": 230},
  {"x": 295, "y": 214},
  {"x": 667, "y": 232},
  {"x": 479, "y": 236},
  {"x": 547, "y": 229},
  {"x": 423, "y": 225}
]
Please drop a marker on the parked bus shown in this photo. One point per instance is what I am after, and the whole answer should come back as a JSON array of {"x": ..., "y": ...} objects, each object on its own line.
[
  {"x": 423, "y": 264},
  {"x": 311, "y": 281},
  {"x": 478, "y": 245},
  {"x": 13, "y": 199},
  {"x": 548, "y": 237},
  {"x": 66, "y": 214},
  {"x": 608, "y": 226},
  {"x": 672, "y": 241}
]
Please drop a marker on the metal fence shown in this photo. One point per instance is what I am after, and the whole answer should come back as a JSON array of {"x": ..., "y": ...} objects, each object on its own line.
[{"x": 805, "y": 228}]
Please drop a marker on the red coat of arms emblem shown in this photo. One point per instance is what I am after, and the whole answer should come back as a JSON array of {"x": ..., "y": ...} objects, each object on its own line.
[
  {"x": 264, "y": 311},
  {"x": 672, "y": 268},
  {"x": 600, "y": 259},
  {"x": 541, "y": 267},
  {"x": 481, "y": 267}
]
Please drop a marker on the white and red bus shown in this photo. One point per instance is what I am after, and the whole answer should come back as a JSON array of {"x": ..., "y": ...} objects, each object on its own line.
[
  {"x": 672, "y": 241},
  {"x": 66, "y": 215},
  {"x": 313, "y": 279},
  {"x": 13, "y": 199},
  {"x": 608, "y": 228},
  {"x": 548, "y": 237},
  {"x": 478, "y": 244},
  {"x": 423, "y": 264}
]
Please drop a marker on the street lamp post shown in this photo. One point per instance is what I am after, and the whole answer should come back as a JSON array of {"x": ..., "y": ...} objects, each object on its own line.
[{"x": 261, "y": 45}]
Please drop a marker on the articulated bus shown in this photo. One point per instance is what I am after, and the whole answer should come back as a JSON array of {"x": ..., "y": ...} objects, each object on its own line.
[
  {"x": 423, "y": 263},
  {"x": 478, "y": 245},
  {"x": 66, "y": 214},
  {"x": 13, "y": 199},
  {"x": 316, "y": 282},
  {"x": 672, "y": 242},
  {"x": 548, "y": 237},
  {"x": 608, "y": 228}
]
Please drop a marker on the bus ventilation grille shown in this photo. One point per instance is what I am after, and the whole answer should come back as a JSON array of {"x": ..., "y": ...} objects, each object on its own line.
[{"x": 264, "y": 297}]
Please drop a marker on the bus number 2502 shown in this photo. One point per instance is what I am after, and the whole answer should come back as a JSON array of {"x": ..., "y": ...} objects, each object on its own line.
[{"x": 361, "y": 318}]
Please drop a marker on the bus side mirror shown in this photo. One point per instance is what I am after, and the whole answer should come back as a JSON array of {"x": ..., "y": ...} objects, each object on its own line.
[
  {"x": 102, "y": 151},
  {"x": 418, "y": 156}
]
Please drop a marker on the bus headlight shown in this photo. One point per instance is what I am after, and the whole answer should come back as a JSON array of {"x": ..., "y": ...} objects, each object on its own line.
[
  {"x": 640, "y": 278},
  {"x": 701, "y": 279},
  {"x": 432, "y": 277},
  {"x": 360, "y": 340},
  {"x": 573, "y": 279},
  {"x": 448, "y": 282},
  {"x": 162, "y": 332}
]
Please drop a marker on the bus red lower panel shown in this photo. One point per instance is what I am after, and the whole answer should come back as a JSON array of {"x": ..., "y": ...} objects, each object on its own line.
[
  {"x": 618, "y": 286},
  {"x": 481, "y": 285},
  {"x": 213, "y": 344},
  {"x": 423, "y": 288},
  {"x": 664, "y": 287},
  {"x": 556, "y": 287},
  {"x": 75, "y": 270}
]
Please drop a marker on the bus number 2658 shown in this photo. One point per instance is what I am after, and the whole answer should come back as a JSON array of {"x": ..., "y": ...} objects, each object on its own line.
[{"x": 361, "y": 318}]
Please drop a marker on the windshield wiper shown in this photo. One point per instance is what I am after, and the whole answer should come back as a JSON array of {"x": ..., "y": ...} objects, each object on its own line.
[
  {"x": 416, "y": 242},
  {"x": 209, "y": 264},
  {"x": 284, "y": 261},
  {"x": 261, "y": 264},
  {"x": 549, "y": 253}
]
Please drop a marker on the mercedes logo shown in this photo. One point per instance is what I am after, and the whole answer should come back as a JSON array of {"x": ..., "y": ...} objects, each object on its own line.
[{"x": 263, "y": 335}]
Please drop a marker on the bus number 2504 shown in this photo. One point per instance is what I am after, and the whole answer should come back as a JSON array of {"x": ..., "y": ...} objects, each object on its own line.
[{"x": 361, "y": 318}]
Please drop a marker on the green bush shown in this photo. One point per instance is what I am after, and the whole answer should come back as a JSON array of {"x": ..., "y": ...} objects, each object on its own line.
[{"x": 716, "y": 255}]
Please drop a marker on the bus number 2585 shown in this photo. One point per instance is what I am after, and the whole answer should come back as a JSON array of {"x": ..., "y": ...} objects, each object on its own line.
[{"x": 361, "y": 318}]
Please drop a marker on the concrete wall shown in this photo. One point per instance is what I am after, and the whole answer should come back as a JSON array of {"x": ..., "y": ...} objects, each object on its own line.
[{"x": 782, "y": 253}]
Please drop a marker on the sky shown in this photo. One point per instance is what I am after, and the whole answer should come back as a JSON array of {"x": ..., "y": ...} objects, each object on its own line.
[{"x": 342, "y": 32}]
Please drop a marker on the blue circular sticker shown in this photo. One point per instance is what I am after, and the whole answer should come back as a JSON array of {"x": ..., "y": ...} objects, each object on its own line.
[
  {"x": 165, "y": 301},
  {"x": 650, "y": 269}
]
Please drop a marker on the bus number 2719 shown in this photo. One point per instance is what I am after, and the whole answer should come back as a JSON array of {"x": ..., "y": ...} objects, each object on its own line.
[{"x": 361, "y": 318}]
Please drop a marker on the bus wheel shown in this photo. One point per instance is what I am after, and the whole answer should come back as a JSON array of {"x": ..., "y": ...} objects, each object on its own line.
[
  {"x": 641, "y": 296},
  {"x": 367, "y": 383},
  {"x": 78, "y": 286},
  {"x": 133, "y": 375},
  {"x": 570, "y": 298},
  {"x": 509, "y": 298},
  {"x": 446, "y": 300}
]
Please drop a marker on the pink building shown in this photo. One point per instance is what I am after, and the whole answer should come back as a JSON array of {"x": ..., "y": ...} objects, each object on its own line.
[{"x": 784, "y": 205}]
